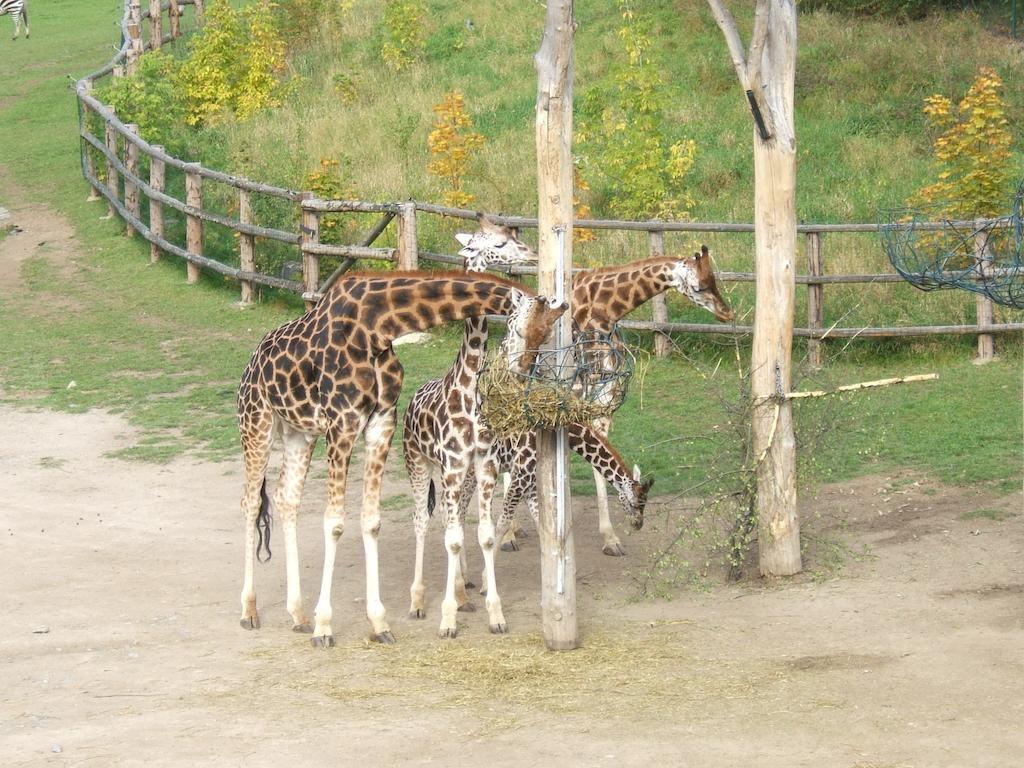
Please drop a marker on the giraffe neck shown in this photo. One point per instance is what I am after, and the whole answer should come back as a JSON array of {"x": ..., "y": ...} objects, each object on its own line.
[
  {"x": 603, "y": 297},
  {"x": 386, "y": 306},
  {"x": 472, "y": 352},
  {"x": 602, "y": 456}
]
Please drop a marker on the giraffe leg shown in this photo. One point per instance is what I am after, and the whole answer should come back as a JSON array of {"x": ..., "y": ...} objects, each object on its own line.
[
  {"x": 468, "y": 486},
  {"x": 521, "y": 480},
  {"x": 487, "y": 476},
  {"x": 612, "y": 545},
  {"x": 340, "y": 440},
  {"x": 419, "y": 477},
  {"x": 298, "y": 450},
  {"x": 379, "y": 430},
  {"x": 455, "y": 593},
  {"x": 256, "y": 432}
]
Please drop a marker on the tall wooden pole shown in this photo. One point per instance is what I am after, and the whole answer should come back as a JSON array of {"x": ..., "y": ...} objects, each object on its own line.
[
  {"x": 554, "y": 212},
  {"x": 767, "y": 72}
]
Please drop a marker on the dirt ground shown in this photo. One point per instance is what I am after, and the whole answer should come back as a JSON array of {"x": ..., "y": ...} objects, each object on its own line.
[{"x": 120, "y": 642}]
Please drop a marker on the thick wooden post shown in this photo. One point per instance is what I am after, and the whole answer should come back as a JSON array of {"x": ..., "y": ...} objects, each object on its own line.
[
  {"x": 246, "y": 244},
  {"x": 309, "y": 233},
  {"x": 134, "y": 35},
  {"x": 555, "y": 217},
  {"x": 193, "y": 224},
  {"x": 174, "y": 17},
  {"x": 983, "y": 304},
  {"x": 659, "y": 305},
  {"x": 156, "y": 25},
  {"x": 815, "y": 308},
  {"x": 113, "y": 185},
  {"x": 131, "y": 189},
  {"x": 156, "y": 208},
  {"x": 408, "y": 249},
  {"x": 200, "y": 6}
]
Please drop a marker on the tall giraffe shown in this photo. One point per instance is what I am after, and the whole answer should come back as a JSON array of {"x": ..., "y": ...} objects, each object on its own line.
[
  {"x": 333, "y": 372},
  {"x": 602, "y": 297}
]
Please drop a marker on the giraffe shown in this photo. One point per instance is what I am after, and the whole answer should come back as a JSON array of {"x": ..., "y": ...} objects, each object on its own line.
[
  {"x": 443, "y": 432},
  {"x": 333, "y": 372},
  {"x": 444, "y": 438},
  {"x": 601, "y": 297}
]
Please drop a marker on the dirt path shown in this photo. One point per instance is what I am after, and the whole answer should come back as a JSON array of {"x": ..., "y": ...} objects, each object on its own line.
[{"x": 120, "y": 644}]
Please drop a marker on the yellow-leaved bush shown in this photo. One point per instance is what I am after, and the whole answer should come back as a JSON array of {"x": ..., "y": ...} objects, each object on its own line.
[{"x": 452, "y": 143}]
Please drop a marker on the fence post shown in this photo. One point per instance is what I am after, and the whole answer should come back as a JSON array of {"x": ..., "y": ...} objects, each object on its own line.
[
  {"x": 90, "y": 160},
  {"x": 156, "y": 208},
  {"x": 200, "y": 6},
  {"x": 815, "y": 309},
  {"x": 174, "y": 17},
  {"x": 131, "y": 189},
  {"x": 134, "y": 35},
  {"x": 112, "y": 178},
  {"x": 983, "y": 304},
  {"x": 156, "y": 25},
  {"x": 309, "y": 232},
  {"x": 408, "y": 249},
  {"x": 246, "y": 244},
  {"x": 193, "y": 224},
  {"x": 659, "y": 305}
]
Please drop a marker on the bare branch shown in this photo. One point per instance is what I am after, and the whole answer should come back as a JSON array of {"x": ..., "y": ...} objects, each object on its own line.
[{"x": 727, "y": 24}]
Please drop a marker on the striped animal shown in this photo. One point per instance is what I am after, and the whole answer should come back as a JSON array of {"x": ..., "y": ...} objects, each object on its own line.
[{"x": 18, "y": 10}]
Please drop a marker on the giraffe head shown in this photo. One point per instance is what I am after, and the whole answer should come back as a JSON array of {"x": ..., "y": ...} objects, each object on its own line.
[
  {"x": 529, "y": 322},
  {"x": 633, "y": 496},
  {"x": 493, "y": 246},
  {"x": 695, "y": 279}
]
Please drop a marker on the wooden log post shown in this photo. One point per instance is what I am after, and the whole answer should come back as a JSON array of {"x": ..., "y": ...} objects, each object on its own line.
[
  {"x": 174, "y": 18},
  {"x": 157, "y": 174},
  {"x": 984, "y": 307},
  {"x": 309, "y": 233},
  {"x": 200, "y": 6},
  {"x": 113, "y": 183},
  {"x": 246, "y": 245},
  {"x": 659, "y": 304},
  {"x": 89, "y": 157},
  {"x": 131, "y": 189},
  {"x": 193, "y": 223},
  {"x": 156, "y": 25},
  {"x": 815, "y": 308},
  {"x": 555, "y": 219},
  {"x": 408, "y": 250},
  {"x": 135, "y": 47}
]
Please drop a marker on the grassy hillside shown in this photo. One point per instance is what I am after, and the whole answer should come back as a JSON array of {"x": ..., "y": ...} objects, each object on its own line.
[{"x": 135, "y": 339}]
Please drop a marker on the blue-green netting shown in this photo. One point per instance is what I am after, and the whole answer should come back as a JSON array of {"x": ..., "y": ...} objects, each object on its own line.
[{"x": 983, "y": 256}]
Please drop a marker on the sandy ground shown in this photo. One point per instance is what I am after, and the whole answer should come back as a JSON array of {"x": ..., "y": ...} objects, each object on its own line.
[{"x": 120, "y": 643}]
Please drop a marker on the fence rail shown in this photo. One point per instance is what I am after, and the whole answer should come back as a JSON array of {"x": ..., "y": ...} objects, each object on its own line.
[{"x": 119, "y": 150}]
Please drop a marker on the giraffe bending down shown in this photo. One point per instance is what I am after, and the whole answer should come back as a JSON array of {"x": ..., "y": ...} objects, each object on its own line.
[
  {"x": 333, "y": 372},
  {"x": 602, "y": 297}
]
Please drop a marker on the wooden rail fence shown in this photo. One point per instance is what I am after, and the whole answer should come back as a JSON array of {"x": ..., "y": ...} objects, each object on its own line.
[{"x": 121, "y": 148}]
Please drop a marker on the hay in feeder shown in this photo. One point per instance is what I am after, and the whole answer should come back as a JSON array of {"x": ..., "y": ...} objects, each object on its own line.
[{"x": 560, "y": 388}]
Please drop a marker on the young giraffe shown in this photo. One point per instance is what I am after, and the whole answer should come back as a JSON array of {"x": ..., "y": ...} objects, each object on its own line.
[
  {"x": 333, "y": 372},
  {"x": 443, "y": 438},
  {"x": 442, "y": 432}
]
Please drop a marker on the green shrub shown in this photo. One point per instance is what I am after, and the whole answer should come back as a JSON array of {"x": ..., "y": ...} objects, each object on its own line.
[
  {"x": 148, "y": 99},
  {"x": 403, "y": 40}
]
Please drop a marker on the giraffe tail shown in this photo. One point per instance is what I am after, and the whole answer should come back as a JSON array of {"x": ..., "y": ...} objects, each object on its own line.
[
  {"x": 263, "y": 525},
  {"x": 431, "y": 499}
]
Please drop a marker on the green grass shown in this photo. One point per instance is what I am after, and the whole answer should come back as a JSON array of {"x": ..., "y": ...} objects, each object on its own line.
[{"x": 137, "y": 340}]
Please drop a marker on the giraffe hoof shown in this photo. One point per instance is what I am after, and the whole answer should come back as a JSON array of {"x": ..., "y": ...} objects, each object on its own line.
[
  {"x": 467, "y": 608},
  {"x": 448, "y": 633},
  {"x": 510, "y": 546},
  {"x": 384, "y": 638},
  {"x": 499, "y": 629},
  {"x": 470, "y": 585},
  {"x": 250, "y": 622},
  {"x": 614, "y": 550},
  {"x": 418, "y": 613},
  {"x": 322, "y": 641},
  {"x": 302, "y": 628}
]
